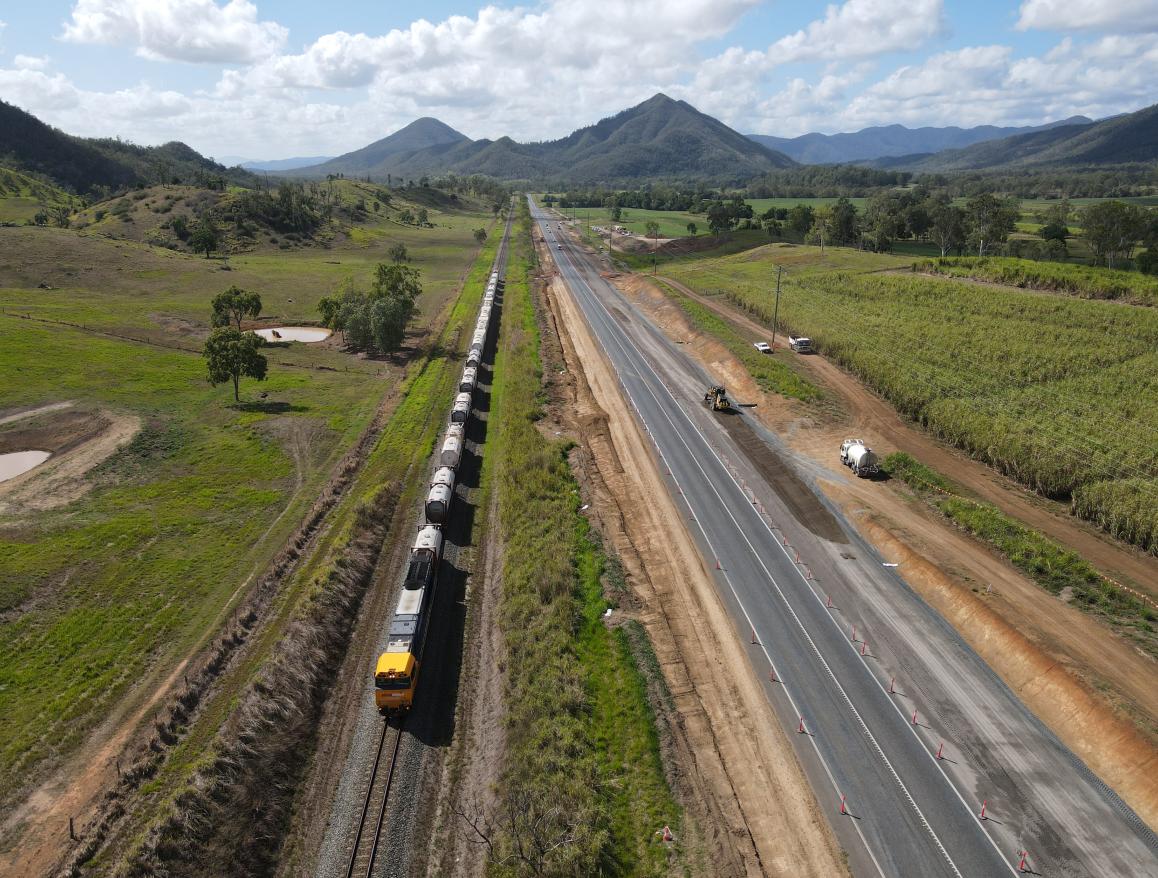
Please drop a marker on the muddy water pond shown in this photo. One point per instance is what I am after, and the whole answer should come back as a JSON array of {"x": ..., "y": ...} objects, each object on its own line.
[
  {"x": 17, "y": 462},
  {"x": 307, "y": 334}
]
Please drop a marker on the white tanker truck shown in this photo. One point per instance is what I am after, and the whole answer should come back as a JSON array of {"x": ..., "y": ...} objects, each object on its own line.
[{"x": 858, "y": 457}]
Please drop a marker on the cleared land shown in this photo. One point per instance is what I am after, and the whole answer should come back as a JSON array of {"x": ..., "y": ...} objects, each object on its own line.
[
  {"x": 1059, "y": 393},
  {"x": 105, "y": 597}
]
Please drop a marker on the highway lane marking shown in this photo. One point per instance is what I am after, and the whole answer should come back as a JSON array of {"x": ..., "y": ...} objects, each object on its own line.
[
  {"x": 783, "y": 597},
  {"x": 820, "y": 756}
]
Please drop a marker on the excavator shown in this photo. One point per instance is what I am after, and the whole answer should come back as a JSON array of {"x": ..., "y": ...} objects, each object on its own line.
[{"x": 717, "y": 399}]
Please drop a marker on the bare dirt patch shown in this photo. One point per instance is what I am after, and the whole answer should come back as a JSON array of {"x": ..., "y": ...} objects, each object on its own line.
[
  {"x": 737, "y": 774},
  {"x": 79, "y": 439}
]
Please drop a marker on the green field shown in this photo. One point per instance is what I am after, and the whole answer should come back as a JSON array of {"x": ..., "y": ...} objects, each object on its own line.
[
  {"x": 103, "y": 592},
  {"x": 1057, "y": 392}
]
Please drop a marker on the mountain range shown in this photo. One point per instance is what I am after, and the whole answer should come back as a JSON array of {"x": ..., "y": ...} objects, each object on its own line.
[
  {"x": 892, "y": 140},
  {"x": 660, "y": 138},
  {"x": 85, "y": 165},
  {"x": 1131, "y": 137}
]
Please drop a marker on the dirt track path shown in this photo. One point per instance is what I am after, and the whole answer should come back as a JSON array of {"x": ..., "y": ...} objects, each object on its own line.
[
  {"x": 884, "y": 427},
  {"x": 742, "y": 779}
]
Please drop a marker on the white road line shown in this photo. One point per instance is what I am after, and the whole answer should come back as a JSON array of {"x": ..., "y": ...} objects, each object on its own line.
[{"x": 783, "y": 597}]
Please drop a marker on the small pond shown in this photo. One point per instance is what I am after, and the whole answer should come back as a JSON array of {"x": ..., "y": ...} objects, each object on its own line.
[
  {"x": 17, "y": 462},
  {"x": 308, "y": 334}
]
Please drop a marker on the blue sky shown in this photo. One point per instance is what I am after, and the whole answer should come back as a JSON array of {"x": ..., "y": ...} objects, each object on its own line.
[{"x": 263, "y": 79}]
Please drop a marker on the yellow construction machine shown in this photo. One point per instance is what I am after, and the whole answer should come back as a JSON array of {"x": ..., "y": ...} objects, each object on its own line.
[{"x": 717, "y": 399}]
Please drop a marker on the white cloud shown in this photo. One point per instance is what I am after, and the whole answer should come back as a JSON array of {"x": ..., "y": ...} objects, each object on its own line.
[
  {"x": 862, "y": 29},
  {"x": 30, "y": 62},
  {"x": 1122, "y": 16},
  {"x": 178, "y": 30}
]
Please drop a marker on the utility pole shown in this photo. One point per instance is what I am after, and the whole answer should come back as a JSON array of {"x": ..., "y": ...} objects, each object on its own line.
[{"x": 776, "y": 310}]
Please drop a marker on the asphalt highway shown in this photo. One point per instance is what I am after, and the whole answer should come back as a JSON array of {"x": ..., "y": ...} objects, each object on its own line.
[{"x": 908, "y": 812}]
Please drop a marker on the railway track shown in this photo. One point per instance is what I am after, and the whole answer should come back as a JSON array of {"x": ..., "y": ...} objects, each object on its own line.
[{"x": 365, "y": 849}]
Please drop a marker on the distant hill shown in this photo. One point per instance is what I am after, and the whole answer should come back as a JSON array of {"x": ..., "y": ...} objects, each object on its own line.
[
  {"x": 89, "y": 165},
  {"x": 658, "y": 139},
  {"x": 892, "y": 140},
  {"x": 284, "y": 164},
  {"x": 381, "y": 155},
  {"x": 1132, "y": 137}
]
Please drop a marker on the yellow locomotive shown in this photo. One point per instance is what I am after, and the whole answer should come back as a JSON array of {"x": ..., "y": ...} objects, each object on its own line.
[{"x": 396, "y": 674}]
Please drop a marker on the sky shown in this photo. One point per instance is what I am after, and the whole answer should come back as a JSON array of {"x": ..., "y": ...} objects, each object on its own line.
[{"x": 259, "y": 79}]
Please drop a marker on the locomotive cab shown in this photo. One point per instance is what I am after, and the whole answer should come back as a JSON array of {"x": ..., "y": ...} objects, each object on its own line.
[{"x": 394, "y": 680}]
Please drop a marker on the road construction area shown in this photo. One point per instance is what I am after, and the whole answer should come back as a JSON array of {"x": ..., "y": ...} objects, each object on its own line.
[{"x": 921, "y": 758}]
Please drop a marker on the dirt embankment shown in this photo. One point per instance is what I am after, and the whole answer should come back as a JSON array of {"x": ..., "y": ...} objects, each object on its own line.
[
  {"x": 736, "y": 772},
  {"x": 1091, "y": 687}
]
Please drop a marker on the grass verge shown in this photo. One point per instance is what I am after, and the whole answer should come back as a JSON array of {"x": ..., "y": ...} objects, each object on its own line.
[
  {"x": 1055, "y": 568},
  {"x": 582, "y": 789}
]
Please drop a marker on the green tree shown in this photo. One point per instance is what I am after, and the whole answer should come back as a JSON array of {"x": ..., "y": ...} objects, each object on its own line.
[
  {"x": 62, "y": 216},
  {"x": 234, "y": 305},
  {"x": 800, "y": 218},
  {"x": 398, "y": 253},
  {"x": 41, "y": 218},
  {"x": 946, "y": 226},
  {"x": 823, "y": 223},
  {"x": 480, "y": 235},
  {"x": 989, "y": 220},
  {"x": 845, "y": 222},
  {"x": 406, "y": 217},
  {"x": 1113, "y": 229},
  {"x": 205, "y": 237},
  {"x": 423, "y": 217},
  {"x": 692, "y": 229},
  {"x": 231, "y": 355},
  {"x": 652, "y": 228}
]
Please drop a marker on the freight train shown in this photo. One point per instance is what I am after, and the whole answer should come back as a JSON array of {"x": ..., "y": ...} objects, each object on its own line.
[{"x": 396, "y": 673}]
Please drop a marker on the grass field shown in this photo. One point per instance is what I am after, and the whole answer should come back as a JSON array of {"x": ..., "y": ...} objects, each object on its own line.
[
  {"x": 1059, "y": 393},
  {"x": 101, "y": 592},
  {"x": 583, "y": 753}
]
